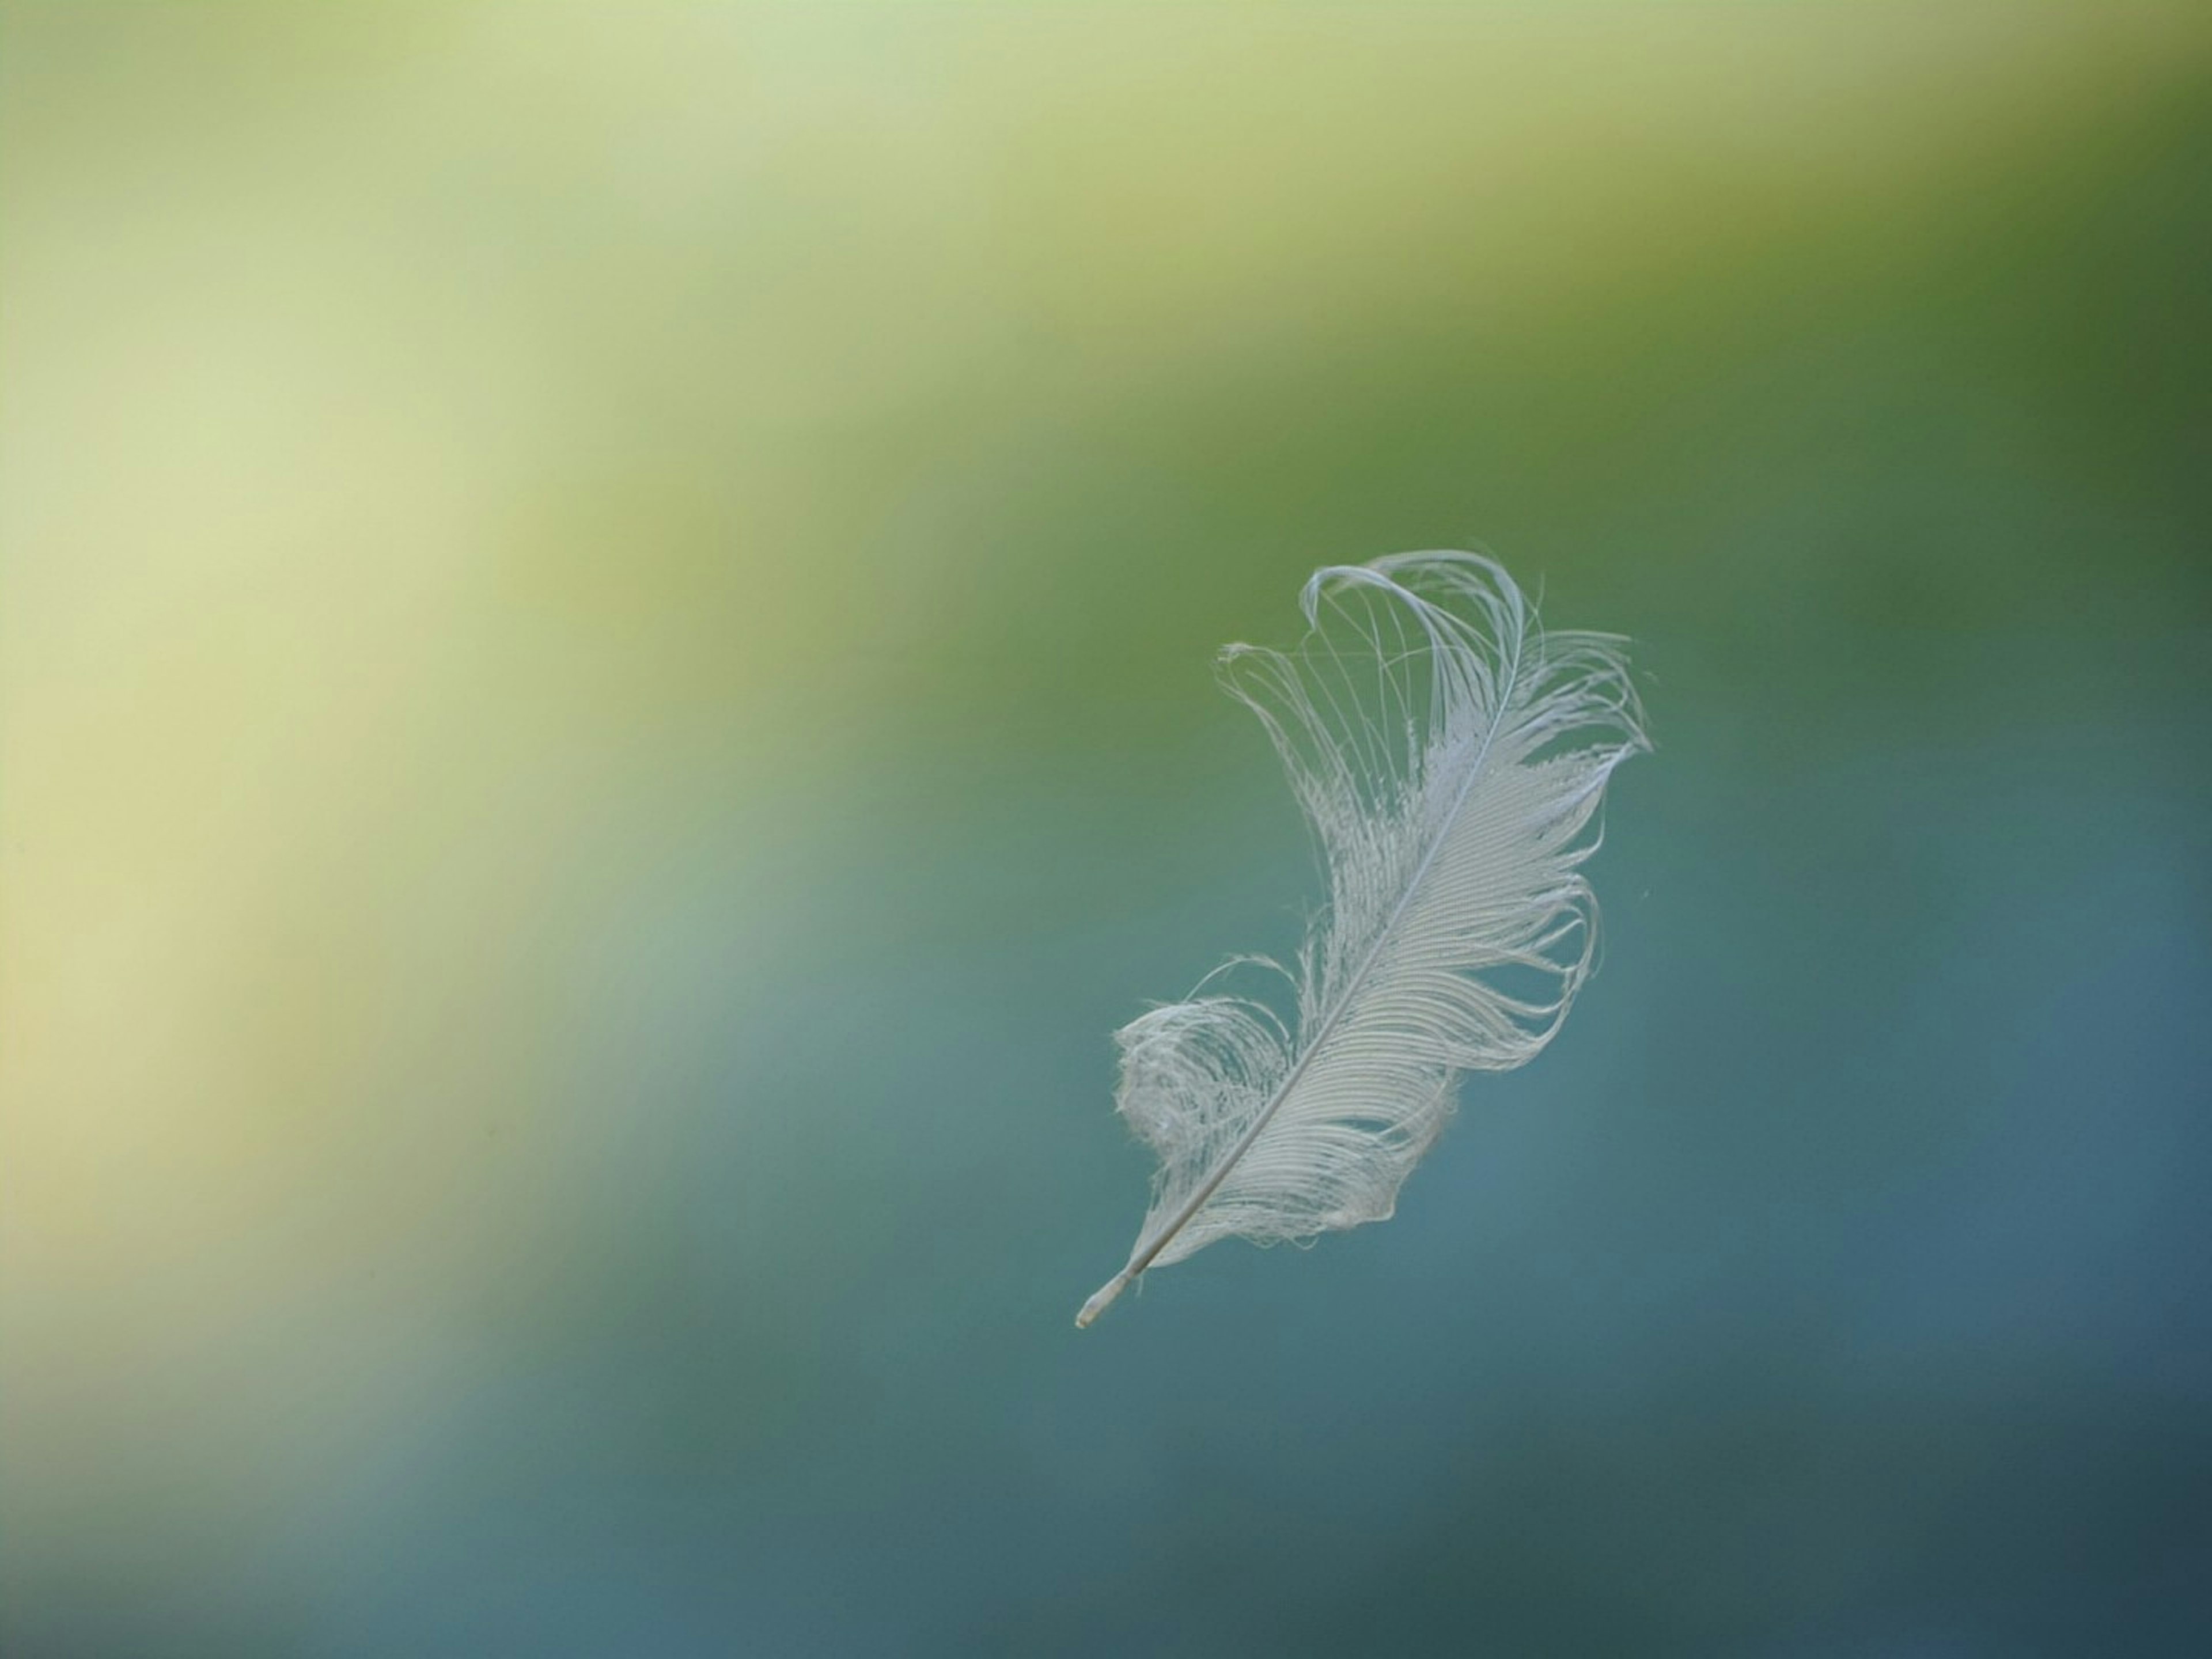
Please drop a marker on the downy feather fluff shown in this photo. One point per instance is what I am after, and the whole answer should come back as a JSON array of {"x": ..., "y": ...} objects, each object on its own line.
[{"x": 1450, "y": 758}]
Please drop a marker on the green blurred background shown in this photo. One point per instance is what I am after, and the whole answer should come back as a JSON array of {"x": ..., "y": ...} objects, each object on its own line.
[{"x": 605, "y": 696}]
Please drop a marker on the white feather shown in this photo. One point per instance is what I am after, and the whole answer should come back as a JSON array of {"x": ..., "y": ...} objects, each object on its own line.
[{"x": 1450, "y": 758}]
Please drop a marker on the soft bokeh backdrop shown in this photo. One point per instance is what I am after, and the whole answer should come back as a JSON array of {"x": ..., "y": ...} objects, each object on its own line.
[{"x": 604, "y": 698}]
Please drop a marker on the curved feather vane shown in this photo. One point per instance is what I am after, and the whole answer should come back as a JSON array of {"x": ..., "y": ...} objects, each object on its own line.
[{"x": 1450, "y": 758}]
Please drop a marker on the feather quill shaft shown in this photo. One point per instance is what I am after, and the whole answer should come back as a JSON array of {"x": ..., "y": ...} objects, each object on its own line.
[{"x": 1451, "y": 758}]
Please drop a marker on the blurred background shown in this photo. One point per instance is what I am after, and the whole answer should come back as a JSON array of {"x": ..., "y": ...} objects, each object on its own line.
[{"x": 605, "y": 697}]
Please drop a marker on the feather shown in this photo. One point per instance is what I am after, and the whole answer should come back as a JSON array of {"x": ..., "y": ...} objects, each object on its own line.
[{"x": 1449, "y": 756}]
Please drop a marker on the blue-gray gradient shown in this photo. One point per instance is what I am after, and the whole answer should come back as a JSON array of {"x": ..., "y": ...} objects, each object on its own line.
[{"x": 605, "y": 699}]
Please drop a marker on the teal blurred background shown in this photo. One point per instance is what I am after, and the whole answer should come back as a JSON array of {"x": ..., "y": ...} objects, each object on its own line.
[{"x": 605, "y": 630}]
